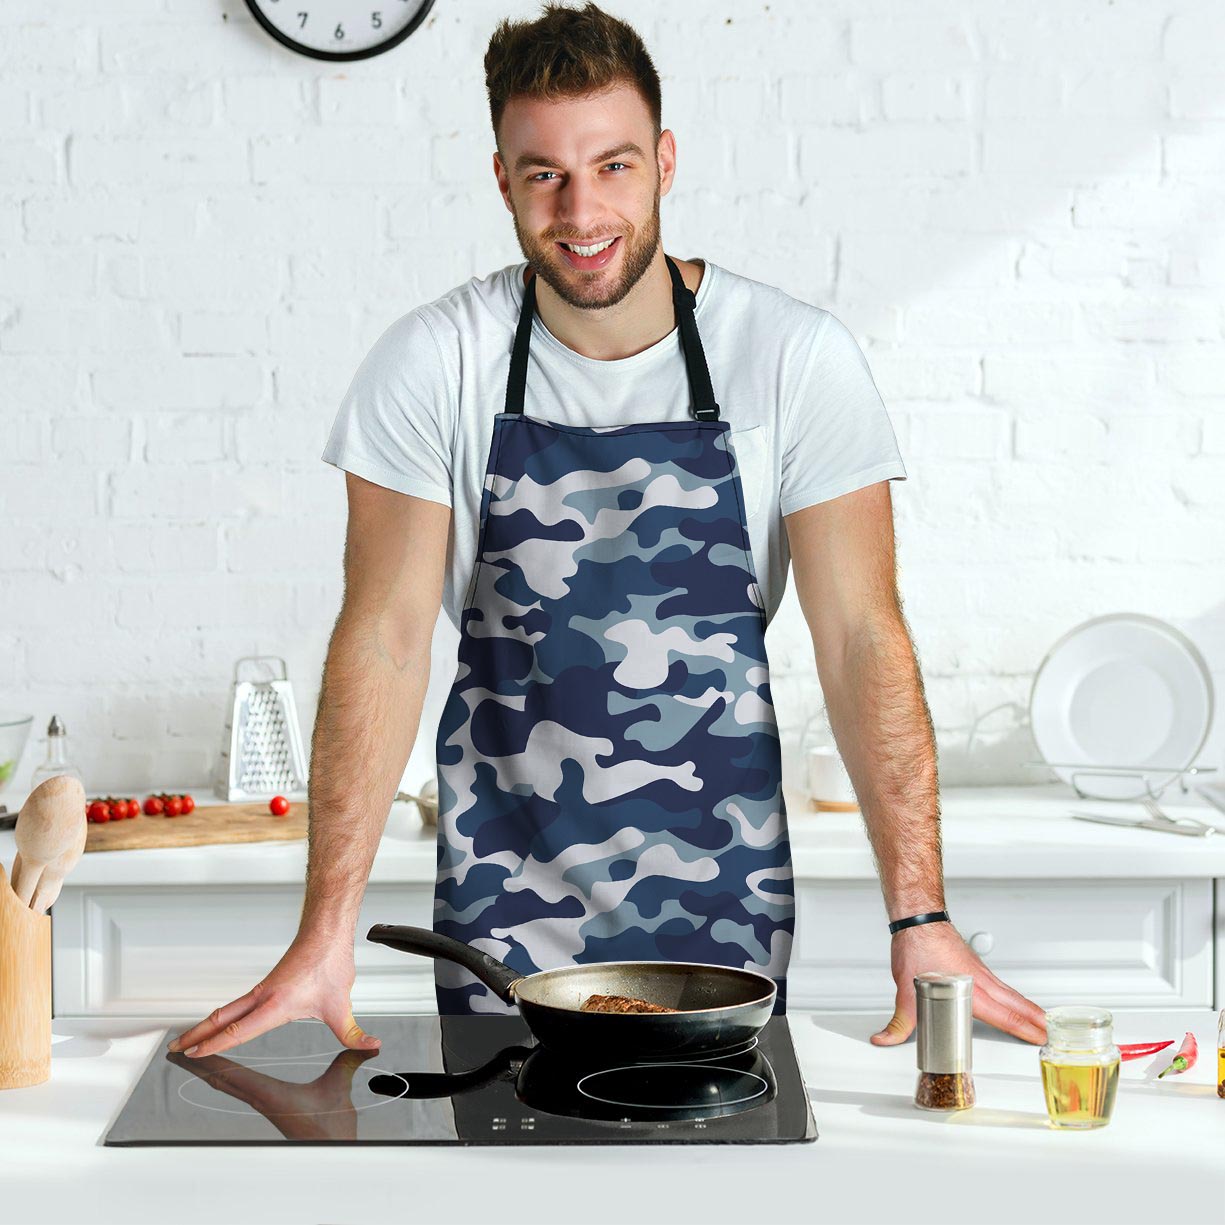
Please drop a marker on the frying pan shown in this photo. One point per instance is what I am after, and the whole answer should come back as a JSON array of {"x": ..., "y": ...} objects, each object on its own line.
[{"x": 717, "y": 1006}]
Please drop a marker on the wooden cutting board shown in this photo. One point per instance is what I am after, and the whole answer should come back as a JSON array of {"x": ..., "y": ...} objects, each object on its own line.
[{"x": 208, "y": 823}]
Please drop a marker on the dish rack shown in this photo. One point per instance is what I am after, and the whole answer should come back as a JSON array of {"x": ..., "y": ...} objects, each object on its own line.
[
  {"x": 1139, "y": 776},
  {"x": 1082, "y": 771}
]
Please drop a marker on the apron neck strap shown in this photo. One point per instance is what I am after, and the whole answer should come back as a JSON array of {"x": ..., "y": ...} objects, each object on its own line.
[{"x": 703, "y": 406}]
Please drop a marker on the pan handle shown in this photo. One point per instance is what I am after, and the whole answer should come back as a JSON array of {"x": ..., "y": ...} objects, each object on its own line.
[
  {"x": 448, "y": 1084},
  {"x": 495, "y": 974}
]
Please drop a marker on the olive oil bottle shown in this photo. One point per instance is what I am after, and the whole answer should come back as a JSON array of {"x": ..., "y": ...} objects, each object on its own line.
[
  {"x": 1080, "y": 1067},
  {"x": 1220, "y": 1055}
]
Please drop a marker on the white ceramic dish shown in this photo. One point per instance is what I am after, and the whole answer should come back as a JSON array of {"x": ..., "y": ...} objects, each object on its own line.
[{"x": 1123, "y": 692}]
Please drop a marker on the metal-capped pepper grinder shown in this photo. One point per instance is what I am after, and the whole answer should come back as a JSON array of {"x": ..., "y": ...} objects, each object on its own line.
[{"x": 944, "y": 1021}]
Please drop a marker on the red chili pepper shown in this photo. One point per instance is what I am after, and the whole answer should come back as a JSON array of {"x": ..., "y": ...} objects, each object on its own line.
[
  {"x": 1137, "y": 1050},
  {"x": 1185, "y": 1058}
]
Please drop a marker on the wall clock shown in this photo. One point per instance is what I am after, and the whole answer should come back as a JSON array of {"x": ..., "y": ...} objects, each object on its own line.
[{"x": 340, "y": 29}]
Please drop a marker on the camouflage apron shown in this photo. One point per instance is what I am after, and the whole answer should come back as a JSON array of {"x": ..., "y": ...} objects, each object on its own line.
[{"x": 608, "y": 758}]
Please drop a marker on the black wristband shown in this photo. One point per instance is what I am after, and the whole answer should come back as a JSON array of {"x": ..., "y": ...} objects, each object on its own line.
[{"x": 915, "y": 920}]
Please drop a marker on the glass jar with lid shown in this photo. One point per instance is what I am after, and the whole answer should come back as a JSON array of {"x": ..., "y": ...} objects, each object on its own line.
[{"x": 1080, "y": 1067}]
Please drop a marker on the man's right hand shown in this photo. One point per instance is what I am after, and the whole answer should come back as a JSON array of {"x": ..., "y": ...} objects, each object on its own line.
[{"x": 311, "y": 980}]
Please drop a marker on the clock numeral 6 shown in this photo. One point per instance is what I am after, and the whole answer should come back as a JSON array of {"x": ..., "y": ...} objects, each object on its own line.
[{"x": 322, "y": 29}]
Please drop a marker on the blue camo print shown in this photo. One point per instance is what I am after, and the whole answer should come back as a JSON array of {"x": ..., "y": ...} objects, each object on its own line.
[{"x": 610, "y": 784}]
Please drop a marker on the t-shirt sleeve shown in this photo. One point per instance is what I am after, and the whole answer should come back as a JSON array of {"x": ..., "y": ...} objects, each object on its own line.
[
  {"x": 837, "y": 432},
  {"x": 395, "y": 425}
]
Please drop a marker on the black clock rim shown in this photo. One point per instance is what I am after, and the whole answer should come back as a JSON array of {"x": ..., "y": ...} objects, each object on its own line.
[{"x": 339, "y": 56}]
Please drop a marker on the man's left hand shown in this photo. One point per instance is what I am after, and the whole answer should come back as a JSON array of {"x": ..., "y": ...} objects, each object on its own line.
[{"x": 939, "y": 947}]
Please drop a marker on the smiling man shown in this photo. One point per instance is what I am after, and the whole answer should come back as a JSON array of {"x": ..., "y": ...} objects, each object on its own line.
[{"x": 601, "y": 461}]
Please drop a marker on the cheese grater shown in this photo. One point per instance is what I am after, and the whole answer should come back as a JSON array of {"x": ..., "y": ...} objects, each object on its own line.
[{"x": 261, "y": 752}]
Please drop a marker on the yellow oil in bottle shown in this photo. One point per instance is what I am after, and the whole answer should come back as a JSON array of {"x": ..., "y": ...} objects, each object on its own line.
[
  {"x": 1220, "y": 1055},
  {"x": 1080, "y": 1095}
]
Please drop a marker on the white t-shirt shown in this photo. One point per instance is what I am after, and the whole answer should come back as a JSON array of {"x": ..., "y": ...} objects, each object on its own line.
[{"x": 807, "y": 423}]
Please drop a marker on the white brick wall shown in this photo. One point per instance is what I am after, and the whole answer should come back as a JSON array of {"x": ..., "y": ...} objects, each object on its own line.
[{"x": 1016, "y": 208}]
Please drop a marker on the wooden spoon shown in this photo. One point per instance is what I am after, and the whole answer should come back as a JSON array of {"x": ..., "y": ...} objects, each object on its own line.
[{"x": 50, "y": 836}]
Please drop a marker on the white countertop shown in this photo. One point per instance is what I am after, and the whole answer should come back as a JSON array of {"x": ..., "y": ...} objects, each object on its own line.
[
  {"x": 877, "y": 1159},
  {"x": 988, "y": 833}
]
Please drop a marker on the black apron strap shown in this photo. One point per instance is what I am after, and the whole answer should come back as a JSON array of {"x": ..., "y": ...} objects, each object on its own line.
[
  {"x": 516, "y": 382},
  {"x": 703, "y": 405}
]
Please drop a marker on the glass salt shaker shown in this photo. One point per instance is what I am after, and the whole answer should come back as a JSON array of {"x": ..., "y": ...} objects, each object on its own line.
[
  {"x": 57, "y": 761},
  {"x": 944, "y": 1020}
]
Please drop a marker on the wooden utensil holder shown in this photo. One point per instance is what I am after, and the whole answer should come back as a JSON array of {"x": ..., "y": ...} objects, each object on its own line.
[{"x": 25, "y": 992}]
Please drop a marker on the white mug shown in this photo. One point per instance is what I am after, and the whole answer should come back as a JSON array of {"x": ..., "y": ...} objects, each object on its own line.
[{"x": 829, "y": 785}]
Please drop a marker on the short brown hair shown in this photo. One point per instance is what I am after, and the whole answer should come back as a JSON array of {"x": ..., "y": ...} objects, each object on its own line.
[{"x": 565, "y": 53}]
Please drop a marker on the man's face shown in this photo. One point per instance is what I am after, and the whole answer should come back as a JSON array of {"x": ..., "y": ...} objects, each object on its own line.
[{"x": 580, "y": 171}]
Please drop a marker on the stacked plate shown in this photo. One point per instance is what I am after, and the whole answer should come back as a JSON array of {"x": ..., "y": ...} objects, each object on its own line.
[{"x": 1121, "y": 706}]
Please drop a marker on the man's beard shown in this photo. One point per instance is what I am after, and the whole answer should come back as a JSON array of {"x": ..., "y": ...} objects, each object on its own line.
[{"x": 571, "y": 284}]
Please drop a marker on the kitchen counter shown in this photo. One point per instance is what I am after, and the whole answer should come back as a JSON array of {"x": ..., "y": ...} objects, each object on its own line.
[
  {"x": 1061, "y": 909},
  {"x": 988, "y": 833},
  {"x": 877, "y": 1159}
]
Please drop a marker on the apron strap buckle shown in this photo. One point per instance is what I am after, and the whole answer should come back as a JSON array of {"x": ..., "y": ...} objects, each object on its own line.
[{"x": 708, "y": 413}]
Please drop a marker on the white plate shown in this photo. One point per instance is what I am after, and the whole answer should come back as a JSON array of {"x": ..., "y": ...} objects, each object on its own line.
[{"x": 1125, "y": 691}]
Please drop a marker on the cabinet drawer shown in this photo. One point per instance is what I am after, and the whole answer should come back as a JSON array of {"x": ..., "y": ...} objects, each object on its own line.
[
  {"x": 180, "y": 952},
  {"x": 1118, "y": 943}
]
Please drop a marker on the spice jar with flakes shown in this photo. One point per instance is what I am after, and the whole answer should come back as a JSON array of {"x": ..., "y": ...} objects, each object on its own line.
[{"x": 944, "y": 1017}]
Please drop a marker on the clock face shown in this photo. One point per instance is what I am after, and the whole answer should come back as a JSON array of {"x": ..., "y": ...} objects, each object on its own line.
[{"x": 340, "y": 29}]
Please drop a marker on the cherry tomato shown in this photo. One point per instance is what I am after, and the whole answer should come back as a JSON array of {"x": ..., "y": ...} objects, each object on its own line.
[
  {"x": 153, "y": 806},
  {"x": 98, "y": 811},
  {"x": 133, "y": 807},
  {"x": 188, "y": 804},
  {"x": 174, "y": 806},
  {"x": 278, "y": 805},
  {"x": 119, "y": 810}
]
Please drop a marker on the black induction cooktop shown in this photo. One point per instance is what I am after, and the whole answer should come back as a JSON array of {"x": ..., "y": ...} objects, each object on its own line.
[{"x": 462, "y": 1080}]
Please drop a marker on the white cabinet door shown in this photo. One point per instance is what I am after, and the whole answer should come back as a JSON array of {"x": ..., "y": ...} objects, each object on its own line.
[
  {"x": 182, "y": 951},
  {"x": 1219, "y": 943},
  {"x": 1118, "y": 943}
]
